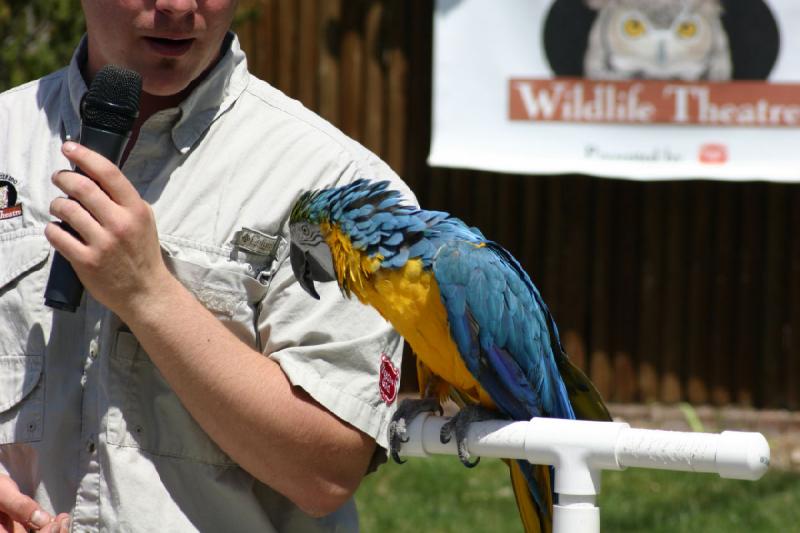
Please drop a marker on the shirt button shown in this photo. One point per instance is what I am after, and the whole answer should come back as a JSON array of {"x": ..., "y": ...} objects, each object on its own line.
[{"x": 93, "y": 348}]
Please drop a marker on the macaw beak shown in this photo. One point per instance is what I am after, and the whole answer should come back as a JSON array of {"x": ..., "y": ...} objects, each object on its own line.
[
  {"x": 308, "y": 268},
  {"x": 301, "y": 270}
]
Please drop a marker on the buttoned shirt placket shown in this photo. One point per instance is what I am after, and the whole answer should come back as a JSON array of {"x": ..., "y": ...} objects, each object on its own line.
[{"x": 86, "y": 512}]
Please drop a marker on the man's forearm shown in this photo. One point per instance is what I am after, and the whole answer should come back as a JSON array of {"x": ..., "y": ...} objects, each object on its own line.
[{"x": 245, "y": 403}]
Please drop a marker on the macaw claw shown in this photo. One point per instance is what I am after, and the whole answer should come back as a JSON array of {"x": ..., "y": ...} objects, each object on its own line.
[
  {"x": 398, "y": 427},
  {"x": 458, "y": 426}
]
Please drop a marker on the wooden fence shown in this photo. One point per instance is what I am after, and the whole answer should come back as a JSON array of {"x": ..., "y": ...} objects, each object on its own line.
[{"x": 663, "y": 291}]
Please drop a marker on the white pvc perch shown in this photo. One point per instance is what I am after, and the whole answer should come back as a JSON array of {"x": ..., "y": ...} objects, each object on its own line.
[{"x": 580, "y": 450}]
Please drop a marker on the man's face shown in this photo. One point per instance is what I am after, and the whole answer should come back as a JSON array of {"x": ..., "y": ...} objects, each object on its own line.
[{"x": 168, "y": 42}]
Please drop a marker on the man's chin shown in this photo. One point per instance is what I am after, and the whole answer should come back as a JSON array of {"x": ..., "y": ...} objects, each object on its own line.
[
  {"x": 170, "y": 78},
  {"x": 163, "y": 86}
]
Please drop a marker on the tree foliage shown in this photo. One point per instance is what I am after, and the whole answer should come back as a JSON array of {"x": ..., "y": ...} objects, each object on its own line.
[
  {"x": 36, "y": 37},
  {"x": 39, "y": 36}
]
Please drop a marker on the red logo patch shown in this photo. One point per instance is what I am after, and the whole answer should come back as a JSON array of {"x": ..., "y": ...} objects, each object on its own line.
[
  {"x": 713, "y": 154},
  {"x": 390, "y": 376},
  {"x": 9, "y": 208}
]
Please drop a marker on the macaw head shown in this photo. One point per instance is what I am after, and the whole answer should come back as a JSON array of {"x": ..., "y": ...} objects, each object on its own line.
[
  {"x": 345, "y": 233},
  {"x": 309, "y": 253}
]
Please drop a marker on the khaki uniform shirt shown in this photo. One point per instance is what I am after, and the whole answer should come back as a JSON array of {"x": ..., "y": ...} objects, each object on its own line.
[{"x": 87, "y": 423}]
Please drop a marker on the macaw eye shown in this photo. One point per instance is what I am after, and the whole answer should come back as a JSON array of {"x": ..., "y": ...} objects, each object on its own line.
[
  {"x": 633, "y": 27},
  {"x": 686, "y": 30},
  {"x": 305, "y": 231}
]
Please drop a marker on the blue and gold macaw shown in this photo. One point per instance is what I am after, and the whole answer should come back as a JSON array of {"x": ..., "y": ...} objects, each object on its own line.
[{"x": 482, "y": 334}]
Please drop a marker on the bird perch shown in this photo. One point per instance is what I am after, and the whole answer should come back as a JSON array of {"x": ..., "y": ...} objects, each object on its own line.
[{"x": 580, "y": 450}]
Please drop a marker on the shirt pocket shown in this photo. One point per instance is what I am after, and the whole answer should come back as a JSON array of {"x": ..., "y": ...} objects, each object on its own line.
[
  {"x": 21, "y": 398},
  {"x": 145, "y": 413},
  {"x": 232, "y": 296},
  {"x": 23, "y": 253}
]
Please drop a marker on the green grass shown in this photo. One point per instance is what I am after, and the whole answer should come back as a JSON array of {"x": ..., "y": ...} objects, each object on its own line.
[{"x": 440, "y": 495}]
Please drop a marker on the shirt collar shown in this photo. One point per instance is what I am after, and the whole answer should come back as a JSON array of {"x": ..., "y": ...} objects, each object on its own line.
[{"x": 215, "y": 94}]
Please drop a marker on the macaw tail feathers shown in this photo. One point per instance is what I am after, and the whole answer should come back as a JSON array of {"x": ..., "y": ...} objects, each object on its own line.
[
  {"x": 533, "y": 491},
  {"x": 584, "y": 397}
]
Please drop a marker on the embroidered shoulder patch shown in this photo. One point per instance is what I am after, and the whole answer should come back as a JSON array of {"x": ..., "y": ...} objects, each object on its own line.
[
  {"x": 9, "y": 208},
  {"x": 390, "y": 378}
]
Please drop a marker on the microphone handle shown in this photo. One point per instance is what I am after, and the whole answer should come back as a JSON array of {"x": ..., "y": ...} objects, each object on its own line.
[{"x": 64, "y": 290}]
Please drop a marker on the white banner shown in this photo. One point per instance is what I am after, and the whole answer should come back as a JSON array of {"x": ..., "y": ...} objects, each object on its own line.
[{"x": 642, "y": 89}]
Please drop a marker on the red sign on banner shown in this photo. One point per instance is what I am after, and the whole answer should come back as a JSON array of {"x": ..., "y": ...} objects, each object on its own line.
[{"x": 649, "y": 101}]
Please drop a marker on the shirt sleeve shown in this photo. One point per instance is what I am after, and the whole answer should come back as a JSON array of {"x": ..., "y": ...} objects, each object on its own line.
[{"x": 340, "y": 351}]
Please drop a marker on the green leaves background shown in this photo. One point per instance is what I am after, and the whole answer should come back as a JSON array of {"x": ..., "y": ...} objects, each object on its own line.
[{"x": 36, "y": 37}]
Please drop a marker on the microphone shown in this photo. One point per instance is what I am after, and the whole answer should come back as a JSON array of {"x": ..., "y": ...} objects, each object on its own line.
[{"x": 108, "y": 111}]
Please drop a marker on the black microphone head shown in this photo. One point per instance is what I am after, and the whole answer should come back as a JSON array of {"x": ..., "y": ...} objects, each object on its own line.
[{"x": 112, "y": 102}]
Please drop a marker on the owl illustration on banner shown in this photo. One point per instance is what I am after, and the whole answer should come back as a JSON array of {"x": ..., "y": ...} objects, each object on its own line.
[{"x": 658, "y": 39}]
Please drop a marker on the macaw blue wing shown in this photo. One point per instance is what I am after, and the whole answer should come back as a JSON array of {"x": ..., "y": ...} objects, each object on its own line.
[{"x": 501, "y": 328}]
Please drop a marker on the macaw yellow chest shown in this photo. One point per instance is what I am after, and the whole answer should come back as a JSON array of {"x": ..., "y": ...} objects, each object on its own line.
[{"x": 409, "y": 299}]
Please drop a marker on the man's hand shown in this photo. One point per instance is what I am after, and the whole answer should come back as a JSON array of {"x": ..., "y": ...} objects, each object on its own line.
[
  {"x": 118, "y": 257},
  {"x": 19, "y": 513}
]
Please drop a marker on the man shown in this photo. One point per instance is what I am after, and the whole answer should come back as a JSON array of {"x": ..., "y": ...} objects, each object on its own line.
[{"x": 196, "y": 387}]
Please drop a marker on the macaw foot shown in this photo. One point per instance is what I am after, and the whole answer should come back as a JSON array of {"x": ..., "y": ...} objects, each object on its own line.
[
  {"x": 459, "y": 424},
  {"x": 398, "y": 427}
]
